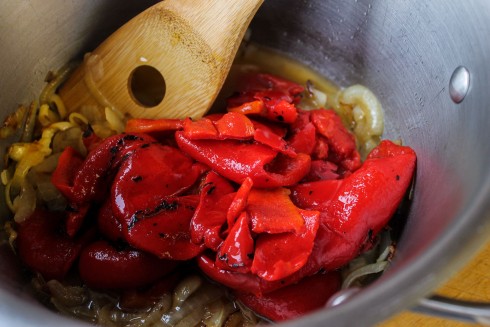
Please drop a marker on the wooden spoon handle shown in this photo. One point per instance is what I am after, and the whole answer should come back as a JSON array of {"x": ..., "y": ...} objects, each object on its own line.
[{"x": 178, "y": 50}]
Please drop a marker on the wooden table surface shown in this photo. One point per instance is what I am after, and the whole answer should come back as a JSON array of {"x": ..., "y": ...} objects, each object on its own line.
[{"x": 471, "y": 283}]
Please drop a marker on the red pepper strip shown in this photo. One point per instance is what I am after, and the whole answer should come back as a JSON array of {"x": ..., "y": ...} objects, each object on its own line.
[
  {"x": 248, "y": 282},
  {"x": 237, "y": 160},
  {"x": 280, "y": 110},
  {"x": 214, "y": 117},
  {"x": 149, "y": 126},
  {"x": 278, "y": 256},
  {"x": 385, "y": 175},
  {"x": 260, "y": 82},
  {"x": 138, "y": 299},
  {"x": 90, "y": 183},
  {"x": 278, "y": 96},
  {"x": 200, "y": 129},
  {"x": 276, "y": 128},
  {"x": 255, "y": 107},
  {"x": 215, "y": 198},
  {"x": 151, "y": 174},
  {"x": 164, "y": 230},
  {"x": 75, "y": 217},
  {"x": 266, "y": 137},
  {"x": 329, "y": 124},
  {"x": 352, "y": 163},
  {"x": 341, "y": 143},
  {"x": 362, "y": 205},
  {"x": 108, "y": 224},
  {"x": 244, "y": 282},
  {"x": 102, "y": 266},
  {"x": 315, "y": 195},
  {"x": 304, "y": 118},
  {"x": 235, "y": 125},
  {"x": 320, "y": 149},
  {"x": 69, "y": 163},
  {"x": 304, "y": 140},
  {"x": 239, "y": 202},
  {"x": 322, "y": 170},
  {"x": 237, "y": 250},
  {"x": 43, "y": 248},
  {"x": 388, "y": 149},
  {"x": 292, "y": 302},
  {"x": 90, "y": 139},
  {"x": 272, "y": 211},
  {"x": 293, "y": 89}
]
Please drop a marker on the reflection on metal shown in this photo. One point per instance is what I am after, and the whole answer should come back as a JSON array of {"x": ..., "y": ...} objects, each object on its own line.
[
  {"x": 459, "y": 84},
  {"x": 475, "y": 312}
]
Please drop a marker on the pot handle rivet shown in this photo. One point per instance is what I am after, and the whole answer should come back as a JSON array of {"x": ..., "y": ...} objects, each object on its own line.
[{"x": 459, "y": 84}]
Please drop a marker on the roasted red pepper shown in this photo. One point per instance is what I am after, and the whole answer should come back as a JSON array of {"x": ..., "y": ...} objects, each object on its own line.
[
  {"x": 237, "y": 160},
  {"x": 267, "y": 96},
  {"x": 149, "y": 126},
  {"x": 44, "y": 247},
  {"x": 164, "y": 230},
  {"x": 272, "y": 238},
  {"x": 210, "y": 215},
  {"x": 108, "y": 224},
  {"x": 278, "y": 256},
  {"x": 237, "y": 251},
  {"x": 271, "y": 211},
  {"x": 235, "y": 125},
  {"x": 91, "y": 182},
  {"x": 102, "y": 266},
  {"x": 355, "y": 209},
  {"x": 294, "y": 301},
  {"x": 164, "y": 170},
  {"x": 69, "y": 163}
]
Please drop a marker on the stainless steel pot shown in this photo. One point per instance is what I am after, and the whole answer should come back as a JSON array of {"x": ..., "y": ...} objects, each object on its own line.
[{"x": 407, "y": 52}]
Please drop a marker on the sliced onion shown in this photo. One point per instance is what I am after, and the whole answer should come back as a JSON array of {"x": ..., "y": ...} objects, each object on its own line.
[
  {"x": 24, "y": 204},
  {"x": 363, "y": 271},
  {"x": 68, "y": 295},
  {"x": 206, "y": 294},
  {"x": 46, "y": 116},
  {"x": 115, "y": 119},
  {"x": 192, "y": 319},
  {"x": 218, "y": 312},
  {"x": 361, "y": 96},
  {"x": 235, "y": 320},
  {"x": 70, "y": 137},
  {"x": 249, "y": 317},
  {"x": 314, "y": 98},
  {"x": 48, "y": 165},
  {"x": 185, "y": 289}
]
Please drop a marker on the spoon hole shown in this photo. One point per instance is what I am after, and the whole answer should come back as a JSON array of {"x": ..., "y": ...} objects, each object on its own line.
[{"x": 147, "y": 86}]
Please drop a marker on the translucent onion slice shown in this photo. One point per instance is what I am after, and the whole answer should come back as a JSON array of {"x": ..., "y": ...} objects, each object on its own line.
[
  {"x": 218, "y": 312},
  {"x": 48, "y": 165},
  {"x": 192, "y": 319},
  {"x": 68, "y": 295},
  {"x": 206, "y": 294},
  {"x": 363, "y": 271},
  {"x": 115, "y": 119},
  {"x": 24, "y": 204},
  {"x": 361, "y": 98},
  {"x": 185, "y": 289},
  {"x": 47, "y": 116}
]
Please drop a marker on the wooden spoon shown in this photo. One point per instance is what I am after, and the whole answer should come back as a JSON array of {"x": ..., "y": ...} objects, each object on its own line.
[{"x": 169, "y": 61}]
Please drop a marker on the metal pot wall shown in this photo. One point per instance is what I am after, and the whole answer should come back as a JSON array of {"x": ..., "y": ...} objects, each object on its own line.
[{"x": 406, "y": 52}]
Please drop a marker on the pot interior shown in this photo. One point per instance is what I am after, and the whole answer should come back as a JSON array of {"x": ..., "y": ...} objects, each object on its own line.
[{"x": 404, "y": 53}]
